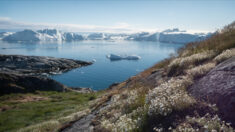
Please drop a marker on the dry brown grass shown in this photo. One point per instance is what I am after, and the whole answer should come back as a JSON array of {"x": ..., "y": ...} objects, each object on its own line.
[{"x": 218, "y": 42}]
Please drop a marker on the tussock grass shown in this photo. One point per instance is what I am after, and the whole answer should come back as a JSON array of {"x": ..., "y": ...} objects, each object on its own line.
[
  {"x": 225, "y": 55},
  {"x": 200, "y": 70},
  {"x": 180, "y": 64}
]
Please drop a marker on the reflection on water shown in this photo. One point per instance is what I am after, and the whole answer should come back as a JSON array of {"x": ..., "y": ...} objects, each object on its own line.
[{"x": 103, "y": 72}]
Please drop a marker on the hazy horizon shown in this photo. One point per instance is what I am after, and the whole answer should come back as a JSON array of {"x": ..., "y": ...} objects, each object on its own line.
[{"x": 116, "y": 16}]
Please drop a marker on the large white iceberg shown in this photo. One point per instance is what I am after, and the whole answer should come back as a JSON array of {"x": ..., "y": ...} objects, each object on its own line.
[
  {"x": 40, "y": 35},
  {"x": 123, "y": 57}
]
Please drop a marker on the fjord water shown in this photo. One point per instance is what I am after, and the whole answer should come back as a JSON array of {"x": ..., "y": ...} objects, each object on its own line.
[{"x": 103, "y": 72}]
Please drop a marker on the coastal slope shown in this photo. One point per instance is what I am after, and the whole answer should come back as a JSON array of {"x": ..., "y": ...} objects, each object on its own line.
[{"x": 191, "y": 91}]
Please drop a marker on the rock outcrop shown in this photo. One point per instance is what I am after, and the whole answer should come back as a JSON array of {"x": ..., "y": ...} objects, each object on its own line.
[
  {"x": 21, "y": 74},
  {"x": 218, "y": 87},
  {"x": 37, "y": 65},
  {"x": 19, "y": 83}
]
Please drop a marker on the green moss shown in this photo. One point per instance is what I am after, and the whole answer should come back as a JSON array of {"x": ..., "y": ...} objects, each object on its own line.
[{"x": 56, "y": 104}]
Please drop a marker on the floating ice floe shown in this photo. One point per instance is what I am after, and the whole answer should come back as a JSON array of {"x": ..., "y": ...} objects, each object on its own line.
[
  {"x": 93, "y": 60},
  {"x": 55, "y": 73},
  {"x": 123, "y": 57}
]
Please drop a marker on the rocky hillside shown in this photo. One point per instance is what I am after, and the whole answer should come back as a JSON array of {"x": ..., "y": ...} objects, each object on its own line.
[{"x": 191, "y": 91}]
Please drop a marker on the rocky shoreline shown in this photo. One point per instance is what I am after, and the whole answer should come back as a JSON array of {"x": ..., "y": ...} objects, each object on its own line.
[
  {"x": 20, "y": 74},
  {"x": 37, "y": 64}
]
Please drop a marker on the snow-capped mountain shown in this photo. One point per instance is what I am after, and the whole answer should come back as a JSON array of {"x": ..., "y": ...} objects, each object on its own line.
[{"x": 168, "y": 36}]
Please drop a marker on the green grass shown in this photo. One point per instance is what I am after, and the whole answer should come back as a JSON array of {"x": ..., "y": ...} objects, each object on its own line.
[{"x": 57, "y": 104}]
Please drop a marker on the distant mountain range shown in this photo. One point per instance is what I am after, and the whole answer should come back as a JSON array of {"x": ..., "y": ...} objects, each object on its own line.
[{"x": 168, "y": 36}]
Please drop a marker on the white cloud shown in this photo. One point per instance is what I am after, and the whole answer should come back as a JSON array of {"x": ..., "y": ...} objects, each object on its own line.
[
  {"x": 5, "y": 19},
  {"x": 120, "y": 27}
]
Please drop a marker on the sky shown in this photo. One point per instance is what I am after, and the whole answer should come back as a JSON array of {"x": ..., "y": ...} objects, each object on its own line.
[{"x": 116, "y": 15}]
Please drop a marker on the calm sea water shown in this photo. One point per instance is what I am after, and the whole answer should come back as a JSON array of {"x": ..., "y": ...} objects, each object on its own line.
[{"x": 103, "y": 72}]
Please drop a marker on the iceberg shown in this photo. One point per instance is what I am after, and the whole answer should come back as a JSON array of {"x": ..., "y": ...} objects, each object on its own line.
[
  {"x": 96, "y": 36},
  {"x": 133, "y": 57},
  {"x": 167, "y": 36},
  {"x": 40, "y": 35},
  {"x": 170, "y": 36},
  {"x": 26, "y": 35},
  {"x": 114, "y": 57}
]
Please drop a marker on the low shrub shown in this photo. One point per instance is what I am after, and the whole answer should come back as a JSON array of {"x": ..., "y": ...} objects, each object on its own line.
[{"x": 225, "y": 55}]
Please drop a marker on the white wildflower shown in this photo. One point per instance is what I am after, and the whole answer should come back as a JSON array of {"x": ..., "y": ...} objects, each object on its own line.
[{"x": 168, "y": 96}]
